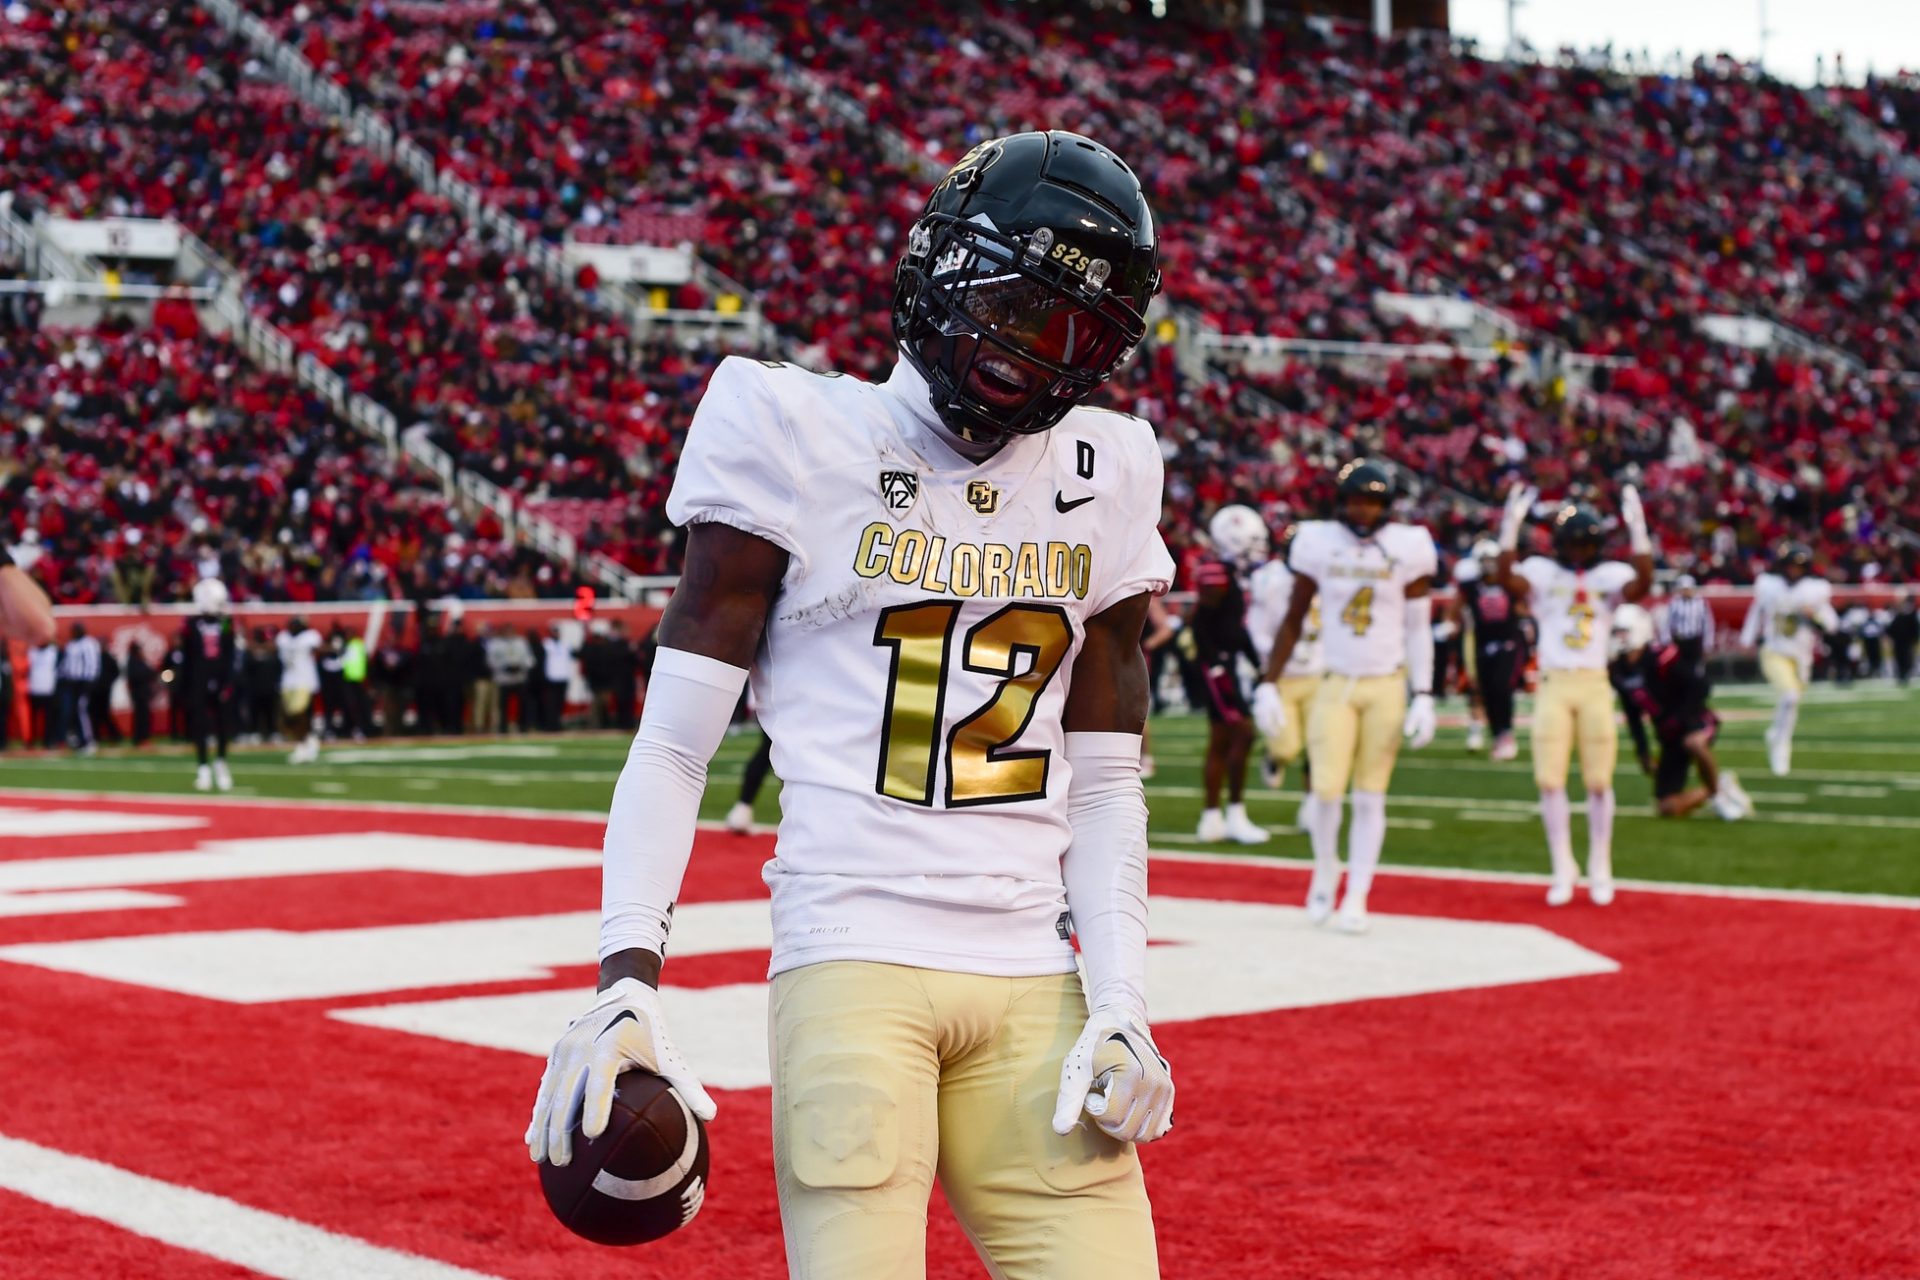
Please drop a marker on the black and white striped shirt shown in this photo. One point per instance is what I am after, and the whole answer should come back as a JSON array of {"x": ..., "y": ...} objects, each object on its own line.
[
  {"x": 1689, "y": 621},
  {"x": 80, "y": 660}
]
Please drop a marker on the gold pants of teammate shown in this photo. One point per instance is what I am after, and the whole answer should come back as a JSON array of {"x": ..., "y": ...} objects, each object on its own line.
[
  {"x": 1353, "y": 732},
  {"x": 1574, "y": 706},
  {"x": 1782, "y": 672},
  {"x": 884, "y": 1075},
  {"x": 1297, "y": 693}
]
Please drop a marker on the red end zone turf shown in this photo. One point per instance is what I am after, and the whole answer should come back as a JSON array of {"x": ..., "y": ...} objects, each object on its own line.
[{"x": 1742, "y": 1098}]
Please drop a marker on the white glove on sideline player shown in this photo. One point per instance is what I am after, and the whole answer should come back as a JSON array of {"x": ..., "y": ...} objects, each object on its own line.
[
  {"x": 625, "y": 1028},
  {"x": 1634, "y": 517},
  {"x": 1269, "y": 711},
  {"x": 1520, "y": 500},
  {"x": 1115, "y": 1073},
  {"x": 1420, "y": 723}
]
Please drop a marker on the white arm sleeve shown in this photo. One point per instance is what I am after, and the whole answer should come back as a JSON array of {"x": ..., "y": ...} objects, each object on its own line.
[
  {"x": 690, "y": 700},
  {"x": 1750, "y": 629},
  {"x": 1105, "y": 867},
  {"x": 1420, "y": 644}
]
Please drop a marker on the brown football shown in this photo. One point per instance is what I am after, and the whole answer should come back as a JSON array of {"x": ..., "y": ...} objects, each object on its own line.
[{"x": 645, "y": 1177}]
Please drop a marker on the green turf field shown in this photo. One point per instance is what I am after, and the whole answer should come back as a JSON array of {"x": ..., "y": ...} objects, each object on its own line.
[{"x": 1847, "y": 819}]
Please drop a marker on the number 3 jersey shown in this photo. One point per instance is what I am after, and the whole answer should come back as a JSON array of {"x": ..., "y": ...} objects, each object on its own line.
[
  {"x": 1573, "y": 610},
  {"x": 915, "y": 663},
  {"x": 1363, "y": 590}
]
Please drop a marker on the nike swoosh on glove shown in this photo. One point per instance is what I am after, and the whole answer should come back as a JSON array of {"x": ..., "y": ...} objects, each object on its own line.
[
  {"x": 1420, "y": 722},
  {"x": 1269, "y": 711},
  {"x": 624, "y": 1029},
  {"x": 1115, "y": 1074}
]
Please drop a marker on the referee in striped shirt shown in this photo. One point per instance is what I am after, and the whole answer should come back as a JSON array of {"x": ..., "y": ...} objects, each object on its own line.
[
  {"x": 79, "y": 670},
  {"x": 1688, "y": 622}
]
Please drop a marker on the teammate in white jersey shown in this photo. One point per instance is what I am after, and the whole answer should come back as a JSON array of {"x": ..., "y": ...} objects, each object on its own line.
[
  {"x": 1792, "y": 607},
  {"x": 299, "y": 681},
  {"x": 1572, "y": 596},
  {"x": 1269, "y": 592},
  {"x": 1372, "y": 579},
  {"x": 939, "y": 584}
]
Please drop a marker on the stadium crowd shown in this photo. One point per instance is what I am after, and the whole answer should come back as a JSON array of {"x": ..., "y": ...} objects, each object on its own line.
[{"x": 1295, "y": 175}]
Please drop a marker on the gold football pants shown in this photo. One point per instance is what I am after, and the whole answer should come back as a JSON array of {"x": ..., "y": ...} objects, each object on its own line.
[
  {"x": 1574, "y": 706},
  {"x": 1353, "y": 732},
  {"x": 884, "y": 1075}
]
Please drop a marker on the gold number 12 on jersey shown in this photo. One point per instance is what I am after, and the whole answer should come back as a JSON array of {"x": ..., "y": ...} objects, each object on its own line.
[{"x": 980, "y": 769}]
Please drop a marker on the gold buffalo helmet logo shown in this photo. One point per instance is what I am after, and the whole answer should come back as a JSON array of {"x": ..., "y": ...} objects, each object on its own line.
[
  {"x": 973, "y": 164},
  {"x": 983, "y": 497}
]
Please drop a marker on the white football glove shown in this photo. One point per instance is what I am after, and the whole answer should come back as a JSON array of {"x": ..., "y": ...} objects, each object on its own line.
[
  {"x": 1634, "y": 516},
  {"x": 1420, "y": 723},
  {"x": 1116, "y": 1075},
  {"x": 625, "y": 1028},
  {"x": 1520, "y": 500},
  {"x": 1269, "y": 711}
]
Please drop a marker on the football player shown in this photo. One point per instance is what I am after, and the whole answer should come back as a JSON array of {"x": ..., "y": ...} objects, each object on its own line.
[
  {"x": 299, "y": 681},
  {"x": 1373, "y": 580},
  {"x": 1572, "y": 596},
  {"x": 1662, "y": 684},
  {"x": 1792, "y": 607},
  {"x": 210, "y": 667},
  {"x": 939, "y": 584},
  {"x": 1492, "y": 623},
  {"x": 1269, "y": 592},
  {"x": 1218, "y": 628}
]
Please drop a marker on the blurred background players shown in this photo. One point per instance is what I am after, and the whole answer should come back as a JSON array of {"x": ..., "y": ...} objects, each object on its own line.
[
  {"x": 1661, "y": 685},
  {"x": 1686, "y": 623},
  {"x": 209, "y": 671},
  {"x": 1269, "y": 591},
  {"x": 1489, "y": 618},
  {"x": 1572, "y": 596},
  {"x": 1373, "y": 580},
  {"x": 1903, "y": 633},
  {"x": 299, "y": 682},
  {"x": 1791, "y": 608},
  {"x": 1218, "y": 626}
]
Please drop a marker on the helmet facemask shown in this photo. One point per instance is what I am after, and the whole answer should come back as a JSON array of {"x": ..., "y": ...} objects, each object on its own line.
[{"x": 1008, "y": 336}]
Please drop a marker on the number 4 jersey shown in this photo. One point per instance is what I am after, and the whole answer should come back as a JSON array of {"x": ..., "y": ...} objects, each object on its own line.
[
  {"x": 916, "y": 661},
  {"x": 1363, "y": 590}
]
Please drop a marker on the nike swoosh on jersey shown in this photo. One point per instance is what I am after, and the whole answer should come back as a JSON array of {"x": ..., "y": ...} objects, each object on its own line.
[{"x": 1061, "y": 504}]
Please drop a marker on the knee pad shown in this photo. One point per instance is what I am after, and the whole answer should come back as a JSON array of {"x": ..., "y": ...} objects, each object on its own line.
[{"x": 843, "y": 1125}]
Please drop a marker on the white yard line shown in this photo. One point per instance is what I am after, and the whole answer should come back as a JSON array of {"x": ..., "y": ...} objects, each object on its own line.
[{"x": 204, "y": 1223}]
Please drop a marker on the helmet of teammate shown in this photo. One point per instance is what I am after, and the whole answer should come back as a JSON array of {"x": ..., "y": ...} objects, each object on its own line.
[
  {"x": 1794, "y": 560},
  {"x": 1362, "y": 495},
  {"x": 1239, "y": 535},
  {"x": 210, "y": 596},
  {"x": 1632, "y": 630},
  {"x": 1025, "y": 282},
  {"x": 1576, "y": 536},
  {"x": 1486, "y": 550}
]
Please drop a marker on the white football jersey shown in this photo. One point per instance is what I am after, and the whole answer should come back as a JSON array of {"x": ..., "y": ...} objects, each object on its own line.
[
  {"x": 916, "y": 661},
  {"x": 1573, "y": 610},
  {"x": 1363, "y": 590},
  {"x": 298, "y": 670},
  {"x": 1269, "y": 592},
  {"x": 1792, "y": 614}
]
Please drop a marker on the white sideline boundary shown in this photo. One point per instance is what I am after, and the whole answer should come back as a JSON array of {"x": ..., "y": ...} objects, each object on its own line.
[
  {"x": 1757, "y": 893},
  {"x": 205, "y": 1223}
]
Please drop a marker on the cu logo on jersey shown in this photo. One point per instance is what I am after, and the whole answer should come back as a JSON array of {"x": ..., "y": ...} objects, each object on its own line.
[
  {"x": 983, "y": 497},
  {"x": 899, "y": 490}
]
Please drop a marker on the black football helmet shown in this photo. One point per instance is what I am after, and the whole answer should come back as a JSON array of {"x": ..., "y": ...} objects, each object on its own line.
[
  {"x": 1794, "y": 560},
  {"x": 1576, "y": 536},
  {"x": 1025, "y": 282},
  {"x": 1361, "y": 484}
]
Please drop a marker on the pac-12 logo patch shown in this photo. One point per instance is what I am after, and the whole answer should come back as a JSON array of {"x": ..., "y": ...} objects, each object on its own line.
[{"x": 899, "y": 490}]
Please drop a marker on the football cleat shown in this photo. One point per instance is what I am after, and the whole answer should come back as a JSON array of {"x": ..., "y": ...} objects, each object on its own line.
[
  {"x": 1241, "y": 829},
  {"x": 1601, "y": 891},
  {"x": 1352, "y": 918},
  {"x": 1213, "y": 826},
  {"x": 1270, "y": 774},
  {"x": 222, "y": 776},
  {"x": 1504, "y": 748},
  {"x": 1319, "y": 905},
  {"x": 740, "y": 818},
  {"x": 1146, "y": 768},
  {"x": 203, "y": 779},
  {"x": 1560, "y": 893},
  {"x": 1476, "y": 736}
]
